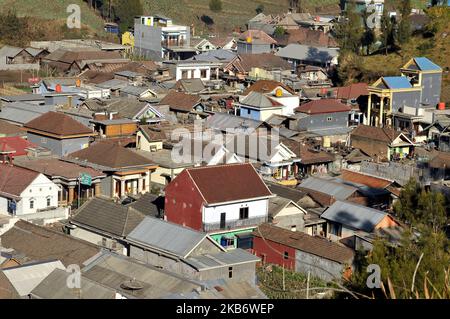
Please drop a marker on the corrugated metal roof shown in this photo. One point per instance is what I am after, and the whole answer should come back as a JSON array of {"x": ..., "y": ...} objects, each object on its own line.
[
  {"x": 54, "y": 286},
  {"x": 26, "y": 277},
  {"x": 328, "y": 186},
  {"x": 113, "y": 84},
  {"x": 354, "y": 215},
  {"x": 224, "y": 121},
  {"x": 21, "y": 113},
  {"x": 307, "y": 53},
  {"x": 397, "y": 82},
  {"x": 221, "y": 259},
  {"x": 166, "y": 236},
  {"x": 426, "y": 65}
]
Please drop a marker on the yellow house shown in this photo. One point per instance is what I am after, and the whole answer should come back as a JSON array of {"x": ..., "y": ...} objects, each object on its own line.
[{"x": 149, "y": 140}]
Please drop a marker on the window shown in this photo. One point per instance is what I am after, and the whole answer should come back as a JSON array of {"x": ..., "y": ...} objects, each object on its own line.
[
  {"x": 203, "y": 74},
  {"x": 31, "y": 203},
  {"x": 230, "y": 272},
  {"x": 294, "y": 228},
  {"x": 49, "y": 201},
  {"x": 248, "y": 111},
  {"x": 286, "y": 255},
  {"x": 43, "y": 140},
  {"x": 227, "y": 241},
  {"x": 184, "y": 74},
  {"x": 336, "y": 229},
  {"x": 243, "y": 213},
  {"x": 329, "y": 118}
]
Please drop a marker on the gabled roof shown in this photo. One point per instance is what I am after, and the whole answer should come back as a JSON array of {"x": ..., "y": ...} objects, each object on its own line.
[
  {"x": 110, "y": 156},
  {"x": 21, "y": 112},
  {"x": 59, "y": 124},
  {"x": 14, "y": 180},
  {"x": 226, "y": 183},
  {"x": 307, "y": 53},
  {"x": 396, "y": 82},
  {"x": 149, "y": 204},
  {"x": 328, "y": 186},
  {"x": 167, "y": 237},
  {"x": 267, "y": 86},
  {"x": 257, "y": 36},
  {"x": 352, "y": 91},
  {"x": 307, "y": 154},
  {"x": 260, "y": 101},
  {"x": 245, "y": 62},
  {"x": 108, "y": 217},
  {"x": 323, "y": 106},
  {"x": 10, "y": 129},
  {"x": 422, "y": 64},
  {"x": 384, "y": 134},
  {"x": 180, "y": 101},
  {"x": 365, "y": 179},
  {"x": 190, "y": 85},
  {"x": 41, "y": 244},
  {"x": 354, "y": 215},
  {"x": 225, "y": 121},
  {"x": 315, "y": 245}
]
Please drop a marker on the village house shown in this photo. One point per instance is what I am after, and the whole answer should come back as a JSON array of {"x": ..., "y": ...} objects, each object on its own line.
[
  {"x": 66, "y": 176},
  {"x": 193, "y": 69},
  {"x": 381, "y": 143},
  {"x": 14, "y": 58},
  {"x": 13, "y": 146},
  {"x": 104, "y": 223},
  {"x": 303, "y": 253},
  {"x": 127, "y": 172},
  {"x": 286, "y": 214},
  {"x": 10, "y": 130},
  {"x": 185, "y": 106},
  {"x": 28, "y": 195},
  {"x": 228, "y": 123},
  {"x": 258, "y": 106},
  {"x": 59, "y": 133},
  {"x": 345, "y": 219},
  {"x": 19, "y": 113},
  {"x": 398, "y": 98},
  {"x": 255, "y": 42},
  {"x": 202, "y": 45},
  {"x": 188, "y": 252},
  {"x": 306, "y": 37},
  {"x": 227, "y": 201},
  {"x": 297, "y": 54}
]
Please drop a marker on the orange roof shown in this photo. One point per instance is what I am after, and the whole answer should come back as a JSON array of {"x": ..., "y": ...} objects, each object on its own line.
[
  {"x": 368, "y": 180},
  {"x": 323, "y": 106}
]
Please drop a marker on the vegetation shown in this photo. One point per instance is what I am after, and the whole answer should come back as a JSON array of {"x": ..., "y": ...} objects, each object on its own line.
[
  {"x": 279, "y": 31},
  {"x": 259, "y": 9},
  {"x": 125, "y": 11},
  {"x": 215, "y": 5},
  {"x": 419, "y": 266}
]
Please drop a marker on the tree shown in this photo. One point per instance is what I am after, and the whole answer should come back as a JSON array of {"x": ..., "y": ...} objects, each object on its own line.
[
  {"x": 259, "y": 9},
  {"x": 404, "y": 28},
  {"x": 279, "y": 31},
  {"x": 387, "y": 32},
  {"x": 349, "y": 30},
  {"x": 368, "y": 36},
  {"x": 215, "y": 5},
  {"x": 12, "y": 27},
  {"x": 125, "y": 11}
]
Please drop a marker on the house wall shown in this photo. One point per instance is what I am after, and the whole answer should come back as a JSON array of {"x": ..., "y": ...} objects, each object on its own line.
[
  {"x": 345, "y": 232},
  {"x": 106, "y": 186},
  {"x": 273, "y": 253},
  {"x": 3, "y": 206},
  {"x": 244, "y": 47},
  {"x": 260, "y": 115},
  {"x": 145, "y": 144},
  {"x": 321, "y": 121},
  {"x": 183, "y": 203},
  {"x": 194, "y": 72},
  {"x": 256, "y": 208},
  {"x": 147, "y": 41},
  {"x": 244, "y": 272},
  {"x": 57, "y": 146},
  {"x": 431, "y": 88},
  {"x": 318, "y": 266},
  {"x": 402, "y": 99},
  {"x": 39, "y": 190},
  {"x": 159, "y": 175},
  {"x": 122, "y": 129}
]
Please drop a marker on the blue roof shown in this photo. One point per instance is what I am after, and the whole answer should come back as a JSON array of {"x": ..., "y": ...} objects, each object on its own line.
[
  {"x": 397, "y": 82},
  {"x": 425, "y": 64}
]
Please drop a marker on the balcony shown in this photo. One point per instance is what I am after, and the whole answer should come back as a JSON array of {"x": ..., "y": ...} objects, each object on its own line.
[
  {"x": 172, "y": 43},
  {"x": 235, "y": 223}
]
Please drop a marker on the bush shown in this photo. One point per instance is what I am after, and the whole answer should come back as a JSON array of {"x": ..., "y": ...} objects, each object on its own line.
[{"x": 215, "y": 5}]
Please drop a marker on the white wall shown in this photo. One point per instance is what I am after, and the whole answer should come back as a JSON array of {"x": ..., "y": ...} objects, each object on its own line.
[
  {"x": 39, "y": 190},
  {"x": 290, "y": 103},
  {"x": 194, "y": 72},
  {"x": 257, "y": 208}
]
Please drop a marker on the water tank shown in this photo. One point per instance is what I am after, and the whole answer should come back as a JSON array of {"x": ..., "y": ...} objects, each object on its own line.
[{"x": 441, "y": 106}]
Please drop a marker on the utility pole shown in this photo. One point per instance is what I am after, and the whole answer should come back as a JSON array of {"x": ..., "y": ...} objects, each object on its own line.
[
  {"x": 284, "y": 283},
  {"x": 307, "y": 285},
  {"x": 79, "y": 190}
]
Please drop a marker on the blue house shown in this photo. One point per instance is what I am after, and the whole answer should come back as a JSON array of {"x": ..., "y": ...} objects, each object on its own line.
[{"x": 258, "y": 106}]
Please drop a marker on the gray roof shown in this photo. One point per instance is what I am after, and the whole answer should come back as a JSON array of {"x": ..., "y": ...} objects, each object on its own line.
[
  {"x": 113, "y": 84},
  {"x": 276, "y": 204},
  {"x": 128, "y": 74},
  {"x": 192, "y": 85},
  {"x": 127, "y": 107},
  {"x": 21, "y": 113},
  {"x": 286, "y": 192},
  {"x": 23, "y": 97},
  {"x": 328, "y": 186},
  {"x": 165, "y": 236},
  {"x": 149, "y": 205},
  {"x": 116, "y": 271},
  {"x": 259, "y": 100},
  {"x": 26, "y": 277},
  {"x": 225, "y": 121},
  {"x": 307, "y": 53},
  {"x": 9, "y": 51},
  {"x": 354, "y": 215},
  {"x": 107, "y": 217},
  {"x": 219, "y": 55},
  {"x": 221, "y": 259},
  {"x": 134, "y": 90},
  {"x": 54, "y": 286}
]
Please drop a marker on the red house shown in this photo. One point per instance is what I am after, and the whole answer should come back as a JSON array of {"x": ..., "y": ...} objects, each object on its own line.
[
  {"x": 227, "y": 201},
  {"x": 302, "y": 253}
]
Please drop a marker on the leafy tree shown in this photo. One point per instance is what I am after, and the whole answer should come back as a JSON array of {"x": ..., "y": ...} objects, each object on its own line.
[
  {"x": 279, "y": 31},
  {"x": 387, "y": 32},
  {"x": 404, "y": 28},
  {"x": 259, "y": 9},
  {"x": 125, "y": 11},
  {"x": 349, "y": 31},
  {"x": 11, "y": 28},
  {"x": 368, "y": 36},
  {"x": 215, "y": 5}
]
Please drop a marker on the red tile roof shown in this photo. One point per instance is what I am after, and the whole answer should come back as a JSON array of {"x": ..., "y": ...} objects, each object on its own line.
[
  {"x": 315, "y": 245},
  {"x": 16, "y": 144},
  {"x": 180, "y": 101},
  {"x": 9, "y": 129},
  {"x": 384, "y": 134},
  {"x": 323, "y": 106},
  {"x": 364, "y": 179},
  {"x": 245, "y": 62},
  {"x": 266, "y": 86},
  {"x": 225, "y": 183},
  {"x": 58, "y": 124},
  {"x": 307, "y": 37},
  {"x": 352, "y": 91},
  {"x": 14, "y": 180}
]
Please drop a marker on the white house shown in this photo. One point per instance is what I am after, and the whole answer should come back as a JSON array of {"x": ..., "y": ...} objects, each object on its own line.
[
  {"x": 194, "y": 69},
  {"x": 28, "y": 195}
]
